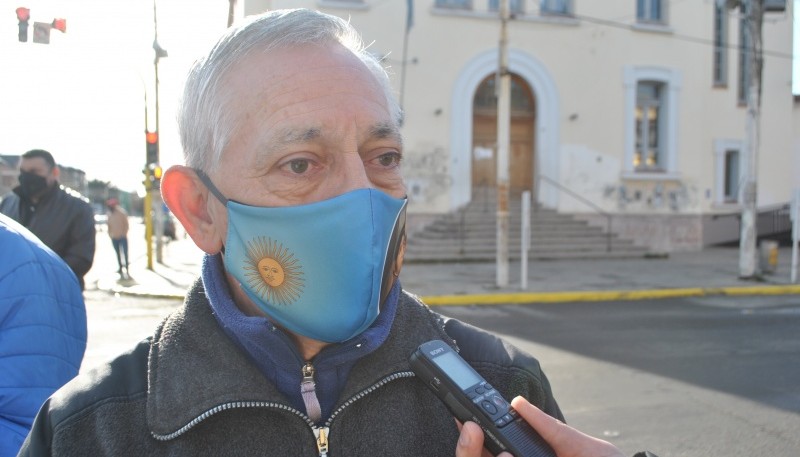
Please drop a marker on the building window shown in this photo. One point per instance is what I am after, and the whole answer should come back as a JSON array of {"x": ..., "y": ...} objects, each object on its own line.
[
  {"x": 514, "y": 6},
  {"x": 650, "y": 11},
  {"x": 649, "y": 155},
  {"x": 652, "y": 96},
  {"x": 731, "y": 179},
  {"x": 728, "y": 170},
  {"x": 486, "y": 96},
  {"x": 744, "y": 58},
  {"x": 562, "y": 7},
  {"x": 720, "y": 45},
  {"x": 454, "y": 4}
]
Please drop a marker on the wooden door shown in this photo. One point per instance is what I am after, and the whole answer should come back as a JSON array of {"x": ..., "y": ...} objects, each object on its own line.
[{"x": 484, "y": 137}]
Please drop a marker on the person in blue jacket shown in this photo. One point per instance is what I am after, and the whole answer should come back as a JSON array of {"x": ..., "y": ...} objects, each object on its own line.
[{"x": 43, "y": 328}]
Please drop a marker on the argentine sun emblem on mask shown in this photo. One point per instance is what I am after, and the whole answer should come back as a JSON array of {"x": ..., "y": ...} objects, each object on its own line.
[{"x": 273, "y": 272}]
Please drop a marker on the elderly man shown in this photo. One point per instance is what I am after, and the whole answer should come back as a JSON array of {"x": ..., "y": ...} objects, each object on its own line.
[{"x": 296, "y": 339}]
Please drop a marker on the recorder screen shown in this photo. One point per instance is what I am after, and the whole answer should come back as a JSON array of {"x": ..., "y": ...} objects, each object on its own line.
[{"x": 459, "y": 371}]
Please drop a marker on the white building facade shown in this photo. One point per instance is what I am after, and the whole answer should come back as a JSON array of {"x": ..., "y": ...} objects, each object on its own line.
[{"x": 636, "y": 106}]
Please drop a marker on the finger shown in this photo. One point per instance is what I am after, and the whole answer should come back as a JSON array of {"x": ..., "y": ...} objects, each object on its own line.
[
  {"x": 470, "y": 442},
  {"x": 548, "y": 427},
  {"x": 565, "y": 440}
]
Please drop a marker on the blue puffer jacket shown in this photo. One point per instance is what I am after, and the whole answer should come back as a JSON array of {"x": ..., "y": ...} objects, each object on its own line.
[{"x": 42, "y": 330}]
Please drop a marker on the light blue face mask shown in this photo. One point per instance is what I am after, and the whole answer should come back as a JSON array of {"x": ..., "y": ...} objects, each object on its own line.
[{"x": 320, "y": 270}]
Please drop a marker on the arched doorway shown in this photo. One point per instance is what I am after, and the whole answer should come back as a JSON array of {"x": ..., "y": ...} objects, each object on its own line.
[{"x": 484, "y": 136}]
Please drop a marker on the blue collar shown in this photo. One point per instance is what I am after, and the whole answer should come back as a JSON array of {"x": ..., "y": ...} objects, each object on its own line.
[{"x": 273, "y": 351}]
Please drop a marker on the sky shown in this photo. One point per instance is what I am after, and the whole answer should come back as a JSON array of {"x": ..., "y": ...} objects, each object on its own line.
[{"x": 81, "y": 97}]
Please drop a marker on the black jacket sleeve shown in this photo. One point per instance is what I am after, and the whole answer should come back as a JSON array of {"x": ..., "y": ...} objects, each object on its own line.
[
  {"x": 79, "y": 254},
  {"x": 511, "y": 371}
]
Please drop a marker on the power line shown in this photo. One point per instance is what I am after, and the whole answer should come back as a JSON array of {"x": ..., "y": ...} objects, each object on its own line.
[{"x": 687, "y": 38}]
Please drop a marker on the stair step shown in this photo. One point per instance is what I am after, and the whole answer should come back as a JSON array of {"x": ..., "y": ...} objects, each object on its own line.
[
  {"x": 546, "y": 245},
  {"x": 469, "y": 234},
  {"x": 533, "y": 256}
]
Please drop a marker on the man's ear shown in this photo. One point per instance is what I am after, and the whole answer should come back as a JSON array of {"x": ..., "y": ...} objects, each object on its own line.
[{"x": 187, "y": 198}]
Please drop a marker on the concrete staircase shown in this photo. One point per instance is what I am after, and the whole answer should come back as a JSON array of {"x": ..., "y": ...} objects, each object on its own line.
[{"x": 469, "y": 235}]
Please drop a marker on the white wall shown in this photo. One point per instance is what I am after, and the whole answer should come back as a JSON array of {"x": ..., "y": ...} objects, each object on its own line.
[{"x": 578, "y": 71}]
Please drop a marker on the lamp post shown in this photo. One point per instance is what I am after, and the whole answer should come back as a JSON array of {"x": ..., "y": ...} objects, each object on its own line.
[{"x": 156, "y": 202}]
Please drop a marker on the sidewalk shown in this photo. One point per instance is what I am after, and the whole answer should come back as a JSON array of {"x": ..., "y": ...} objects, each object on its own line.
[{"x": 713, "y": 271}]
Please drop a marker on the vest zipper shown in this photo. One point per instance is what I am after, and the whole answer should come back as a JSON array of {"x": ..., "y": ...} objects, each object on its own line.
[
  {"x": 321, "y": 434},
  {"x": 367, "y": 391},
  {"x": 227, "y": 406},
  {"x": 322, "y": 440},
  {"x": 308, "y": 391}
]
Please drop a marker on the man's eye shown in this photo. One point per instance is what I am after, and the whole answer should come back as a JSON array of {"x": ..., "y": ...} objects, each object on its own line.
[
  {"x": 299, "y": 166},
  {"x": 389, "y": 159}
]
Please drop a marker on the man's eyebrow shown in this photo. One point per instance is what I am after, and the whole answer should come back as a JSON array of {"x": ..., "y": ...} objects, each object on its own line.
[
  {"x": 384, "y": 130},
  {"x": 294, "y": 136}
]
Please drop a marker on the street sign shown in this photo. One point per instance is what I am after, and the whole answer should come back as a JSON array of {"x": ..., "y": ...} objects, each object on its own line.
[{"x": 41, "y": 32}]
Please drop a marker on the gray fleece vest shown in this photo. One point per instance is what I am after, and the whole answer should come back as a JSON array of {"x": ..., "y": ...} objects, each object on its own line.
[{"x": 190, "y": 391}]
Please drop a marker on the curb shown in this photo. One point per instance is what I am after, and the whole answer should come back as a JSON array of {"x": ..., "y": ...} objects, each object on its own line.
[
  {"x": 604, "y": 295},
  {"x": 557, "y": 296}
]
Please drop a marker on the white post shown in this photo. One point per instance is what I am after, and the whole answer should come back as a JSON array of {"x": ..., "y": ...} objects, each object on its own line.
[
  {"x": 503, "y": 133},
  {"x": 795, "y": 215},
  {"x": 526, "y": 239},
  {"x": 749, "y": 189}
]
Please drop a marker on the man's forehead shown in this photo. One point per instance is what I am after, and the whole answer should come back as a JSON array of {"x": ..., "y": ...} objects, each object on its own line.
[
  {"x": 30, "y": 163},
  {"x": 294, "y": 135}
]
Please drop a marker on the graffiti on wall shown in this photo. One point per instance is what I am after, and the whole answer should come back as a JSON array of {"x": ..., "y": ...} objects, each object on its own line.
[
  {"x": 675, "y": 196},
  {"x": 426, "y": 174}
]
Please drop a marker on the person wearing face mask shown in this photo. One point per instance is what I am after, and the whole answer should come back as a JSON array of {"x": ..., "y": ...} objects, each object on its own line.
[
  {"x": 59, "y": 216},
  {"x": 295, "y": 339}
]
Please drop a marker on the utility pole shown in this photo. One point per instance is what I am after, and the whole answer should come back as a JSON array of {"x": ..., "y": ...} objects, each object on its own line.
[
  {"x": 503, "y": 87},
  {"x": 753, "y": 11},
  {"x": 409, "y": 24},
  {"x": 231, "y": 11}
]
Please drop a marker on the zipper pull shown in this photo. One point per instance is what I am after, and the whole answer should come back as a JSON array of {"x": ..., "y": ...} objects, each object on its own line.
[
  {"x": 309, "y": 393},
  {"x": 322, "y": 440}
]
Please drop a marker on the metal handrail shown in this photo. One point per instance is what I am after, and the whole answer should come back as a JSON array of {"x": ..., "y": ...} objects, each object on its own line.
[
  {"x": 585, "y": 201},
  {"x": 770, "y": 219}
]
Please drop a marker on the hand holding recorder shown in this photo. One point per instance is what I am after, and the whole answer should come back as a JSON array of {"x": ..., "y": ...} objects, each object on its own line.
[{"x": 489, "y": 420}]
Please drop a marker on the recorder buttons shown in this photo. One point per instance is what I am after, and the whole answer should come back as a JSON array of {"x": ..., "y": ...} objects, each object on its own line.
[
  {"x": 489, "y": 407},
  {"x": 499, "y": 402}
]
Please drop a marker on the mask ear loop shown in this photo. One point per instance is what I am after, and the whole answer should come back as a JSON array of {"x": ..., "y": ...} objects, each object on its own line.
[
  {"x": 213, "y": 189},
  {"x": 210, "y": 186}
]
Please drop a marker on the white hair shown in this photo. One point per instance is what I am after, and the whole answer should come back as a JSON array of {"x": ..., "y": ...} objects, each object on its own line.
[{"x": 203, "y": 120}]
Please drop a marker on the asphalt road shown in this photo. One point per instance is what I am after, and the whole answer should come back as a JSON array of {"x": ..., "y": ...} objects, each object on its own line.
[{"x": 689, "y": 377}]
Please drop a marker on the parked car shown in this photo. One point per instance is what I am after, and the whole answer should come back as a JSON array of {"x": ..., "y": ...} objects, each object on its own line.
[{"x": 100, "y": 221}]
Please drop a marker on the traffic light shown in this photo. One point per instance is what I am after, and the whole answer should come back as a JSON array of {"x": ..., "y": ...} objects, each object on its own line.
[
  {"x": 152, "y": 147},
  {"x": 146, "y": 181},
  {"x": 23, "y": 15},
  {"x": 155, "y": 176},
  {"x": 60, "y": 25},
  {"x": 152, "y": 176}
]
